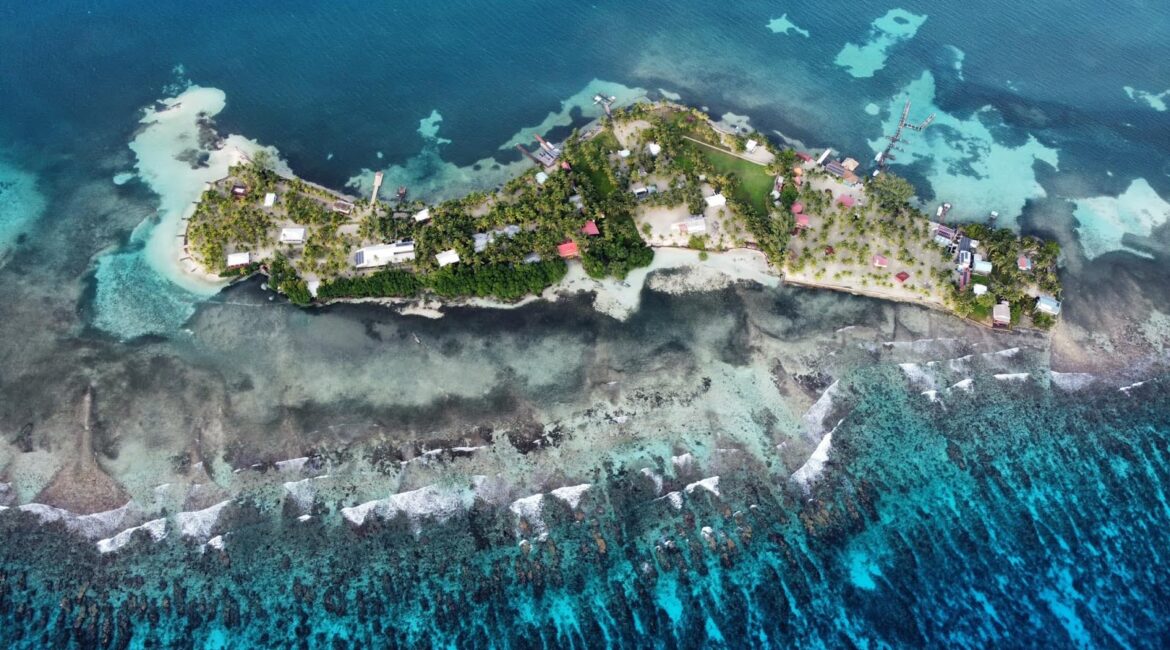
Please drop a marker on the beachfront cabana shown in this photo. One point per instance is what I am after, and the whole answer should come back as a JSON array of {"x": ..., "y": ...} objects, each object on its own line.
[
  {"x": 568, "y": 249},
  {"x": 422, "y": 215},
  {"x": 270, "y": 199},
  {"x": 1001, "y": 314},
  {"x": 750, "y": 146},
  {"x": 590, "y": 228},
  {"x": 1048, "y": 305},
  {"x": 716, "y": 201},
  {"x": 880, "y": 261},
  {"x": 239, "y": 259},
  {"x": 292, "y": 235},
  {"x": 447, "y": 257}
]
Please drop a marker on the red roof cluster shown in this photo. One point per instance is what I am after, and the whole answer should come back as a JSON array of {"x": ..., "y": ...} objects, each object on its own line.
[
  {"x": 590, "y": 228},
  {"x": 568, "y": 249}
]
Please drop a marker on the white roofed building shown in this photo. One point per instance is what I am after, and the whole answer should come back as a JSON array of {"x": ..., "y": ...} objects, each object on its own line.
[
  {"x": 422, "y": 215},
  {"x": 716, "y": 201},
  {"x": 653, "y": 148},
  {"x": 239, "y": 259},
  {"x": 751, "y": 146},
  {"x": 1048, "y": 305},
  {"x": 382, "y": 254},
  {"x": 447, "y": 257},
  {"x": 292, "y": 235},
  {"x": 270, "y": 199}
]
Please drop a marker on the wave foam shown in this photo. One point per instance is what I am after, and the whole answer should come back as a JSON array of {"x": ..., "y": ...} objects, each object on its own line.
[
  {"x": 429, "y": 502},
  {"x": 198, "y": 524},
  {"x": 157, "y": 528}
]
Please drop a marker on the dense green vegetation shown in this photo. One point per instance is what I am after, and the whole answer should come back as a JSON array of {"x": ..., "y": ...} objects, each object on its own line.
[
  {"x": 503, "y": 281},
  {"x": 221, "y": 221},
  {"x": 383, "y": 283},
  {"x": 507, "y": 282},
  {"x": 891, "y": 192},
  {"x": 283, "y": 278}
]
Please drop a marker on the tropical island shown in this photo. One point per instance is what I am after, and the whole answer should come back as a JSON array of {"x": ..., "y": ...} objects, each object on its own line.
[{"x": 649, "y": 175}]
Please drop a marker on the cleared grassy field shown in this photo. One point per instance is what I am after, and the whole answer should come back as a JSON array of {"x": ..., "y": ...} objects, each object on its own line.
[
  {"x": 604, "y": 141},
  {"x": 754, "y": 184}
]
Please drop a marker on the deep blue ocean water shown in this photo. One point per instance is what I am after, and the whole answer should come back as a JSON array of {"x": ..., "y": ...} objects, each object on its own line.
[{"x": 1010, "y": 519}]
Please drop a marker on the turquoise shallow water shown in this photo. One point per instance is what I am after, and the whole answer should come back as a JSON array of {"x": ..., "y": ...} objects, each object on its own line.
[{"x": 991, "y": 519}]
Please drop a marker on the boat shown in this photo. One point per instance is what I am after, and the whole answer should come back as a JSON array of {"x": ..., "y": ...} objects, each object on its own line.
[{"x": 401, "y": 192}]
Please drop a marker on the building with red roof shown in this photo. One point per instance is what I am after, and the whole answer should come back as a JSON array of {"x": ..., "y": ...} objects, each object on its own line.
[
  {"x": 590, "y": 228},
  {"x": 568, "y": 249},
  {"x": 880, "y": 261},
  {"x": 797, "y": 207},
  {"x": 802, "y": 221},
  {"x": 903, "y": 276},
  {"x": 845, "y": 200}
]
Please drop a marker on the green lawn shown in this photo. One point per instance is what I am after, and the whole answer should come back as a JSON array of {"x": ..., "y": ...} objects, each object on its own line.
[
  {"x": 605, "y": 142},
  {"x": 754, "y": 186}
]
